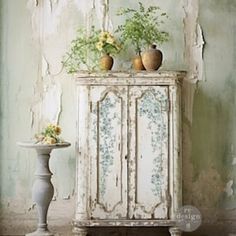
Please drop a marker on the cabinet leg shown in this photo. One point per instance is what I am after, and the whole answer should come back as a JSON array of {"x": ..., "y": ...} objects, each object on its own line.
[
  {"x": 80, "y": 231},
  {"x": 174, "y": 231}
]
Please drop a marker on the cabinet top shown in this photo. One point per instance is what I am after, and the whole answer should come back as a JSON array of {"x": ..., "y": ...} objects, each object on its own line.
[{"x": 130, "y": 78}]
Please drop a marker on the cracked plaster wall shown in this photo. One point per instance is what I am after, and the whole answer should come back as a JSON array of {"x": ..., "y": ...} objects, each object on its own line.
[{"x": 35, "y": 89}]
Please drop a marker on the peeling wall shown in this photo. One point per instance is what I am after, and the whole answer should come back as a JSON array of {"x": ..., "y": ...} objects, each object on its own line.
[
  {"x": 35, "y": 89},
  {"x": 209, "y": 134},
  {"x": 213, "y": 130}
]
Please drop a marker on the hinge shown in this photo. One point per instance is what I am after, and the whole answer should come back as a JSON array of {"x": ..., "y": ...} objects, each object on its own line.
[{"x": 91, "y": 106}]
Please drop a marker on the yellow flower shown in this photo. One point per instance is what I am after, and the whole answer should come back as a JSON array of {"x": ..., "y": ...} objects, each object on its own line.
[
  {"x": 50, "y": 126},
  {"x": 104, "y": 35},
  {"x": 99, "y": 45},
  {"x": 57, "y": 130},
  {"x": 49, "y": 140},
  {"x": 110, "y": 39}
]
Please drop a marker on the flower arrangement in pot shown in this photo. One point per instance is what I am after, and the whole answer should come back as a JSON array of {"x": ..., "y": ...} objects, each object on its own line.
[
  {"x": 86, "y": 50},
  {"x": 49, "y": 135},
  {"x": 108, "y": 46},
  {"x": 142, "y": 29}
]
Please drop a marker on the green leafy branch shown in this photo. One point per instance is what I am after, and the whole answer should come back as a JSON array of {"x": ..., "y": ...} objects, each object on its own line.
[
  {"x": 141, "y": 27},
  {"x": 82, "y": 51}
]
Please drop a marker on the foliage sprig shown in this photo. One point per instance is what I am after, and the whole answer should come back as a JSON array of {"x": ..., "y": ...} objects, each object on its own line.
[
  {"x": 142, "y": 26},
  {"x": 82, "y": 51},
  {"x": 86, "y": 49}
]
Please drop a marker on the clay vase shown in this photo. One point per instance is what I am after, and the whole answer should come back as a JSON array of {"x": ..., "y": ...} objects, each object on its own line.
[
  {"x": 137, "y": 63},
  {"x": 106, "y": 62},
  {"x": 152, "y": 58}
]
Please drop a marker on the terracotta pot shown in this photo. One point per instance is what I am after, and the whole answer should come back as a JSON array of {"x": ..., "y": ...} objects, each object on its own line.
[
  {"x": 152, "y": 58},
  {"x": 106, "y": 62},
  {"x": 137, "y": 63}
]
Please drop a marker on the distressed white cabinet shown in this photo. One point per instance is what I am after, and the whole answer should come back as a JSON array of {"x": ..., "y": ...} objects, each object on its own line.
[{"x": 128, "y": 150}]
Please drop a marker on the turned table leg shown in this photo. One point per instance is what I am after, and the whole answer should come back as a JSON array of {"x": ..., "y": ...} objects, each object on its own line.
[
  {"x": 42, "y": 192},
  {"x": 174, "y": 231}
]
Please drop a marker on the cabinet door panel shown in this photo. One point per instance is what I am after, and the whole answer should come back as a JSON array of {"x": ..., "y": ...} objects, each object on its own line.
[
  {"x": 148, "y": 163},
  {"x": 108, "y": 148}
]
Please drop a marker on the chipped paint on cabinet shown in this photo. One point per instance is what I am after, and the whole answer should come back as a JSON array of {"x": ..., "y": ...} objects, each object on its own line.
[
  {"x": 129, "y": 150},
  {"x": 148, "y": 151},
  {"x": 108, "y": 149}
]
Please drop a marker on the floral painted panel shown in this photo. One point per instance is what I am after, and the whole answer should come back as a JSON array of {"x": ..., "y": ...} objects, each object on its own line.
[
  {"x": 107, "y": 142},
  {"x": 152, "y": 146},
  {"x": 109, "y": 123}
]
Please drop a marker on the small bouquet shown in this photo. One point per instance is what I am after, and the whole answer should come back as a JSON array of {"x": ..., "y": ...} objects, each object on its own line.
[
  {"x": 107, "y": 43},
  {"x": 50, "y": 135}
]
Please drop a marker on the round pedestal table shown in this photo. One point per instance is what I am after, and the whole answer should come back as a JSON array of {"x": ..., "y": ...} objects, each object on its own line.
[{"x": 43, "y": 190}]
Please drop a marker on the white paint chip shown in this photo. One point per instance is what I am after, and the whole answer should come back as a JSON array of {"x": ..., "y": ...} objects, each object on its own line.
[
  {"x": 54, "y": 198},
  {"x": 194, "y": 46},
  {"x": 84, "y": 5},
  {"x": 198, "y": 52},
  {"x": 67, "y": 197},
  {"x": 51, "y": 105},
  {"x": 234, "y": 161},
  {"x": 45, "y": 67},
  {"x": 232, "y": 154},
  {"x": 102, "y": 10},
  {"x": 228, "y": 189},
  {"x": 46, "y": 17},
  {"x": 90, "y": 8}
]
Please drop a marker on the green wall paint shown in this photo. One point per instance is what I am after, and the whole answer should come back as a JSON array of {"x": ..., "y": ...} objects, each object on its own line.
[
  {"x": 213, "y": 131},
  {"x": 19, "y": 70}
]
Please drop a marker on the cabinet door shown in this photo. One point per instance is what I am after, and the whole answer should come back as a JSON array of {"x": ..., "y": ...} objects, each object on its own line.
[
  {"x": 108, "y": 152},
  {"x": 148, "y": 152}
]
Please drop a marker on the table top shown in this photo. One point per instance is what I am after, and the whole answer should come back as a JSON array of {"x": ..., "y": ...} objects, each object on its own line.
[{"x": 32, "y": 144}]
